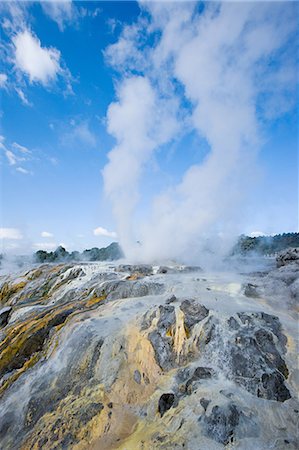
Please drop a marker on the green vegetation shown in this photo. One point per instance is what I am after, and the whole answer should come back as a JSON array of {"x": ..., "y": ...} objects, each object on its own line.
[
  {"x": 266, "y": 245},
  {"x": 112, "y": 252}
]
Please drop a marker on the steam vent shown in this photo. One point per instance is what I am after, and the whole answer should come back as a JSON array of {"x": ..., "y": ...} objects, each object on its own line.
[{"x": 107, "y": 356}]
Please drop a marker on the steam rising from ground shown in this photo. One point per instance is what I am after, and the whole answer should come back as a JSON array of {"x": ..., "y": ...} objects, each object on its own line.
[{"x": 220, "y": 71}]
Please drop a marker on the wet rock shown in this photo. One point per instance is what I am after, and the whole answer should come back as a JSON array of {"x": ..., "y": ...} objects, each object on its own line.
[
  {"x": 7, "y": 422},
  {"x": 91, "y": 410},
  {"x": 294, "y": 288},
  {"x": 263, "y": 320},
  {"x": 267, "y": 346},
  {"x": 182, "y": 375},
  {"x": 26, "y": 344},
  {"x": 209, "y": 331},
  {"x": 127, "y": 289},
  {"x": 171, "y": 299},
  {"x": 233, "y": 324},
  {"x": 255, "y": 366},
  {"x": 227, "y": 422},
  {"x": 250, "y": 290},
  {"x": 287, "y": 257},
  {"x": 220, "y": 425},
  {"x": 179, "y": 269},
  {"x": 194, "y": 312},
  {"x": 190, "y": 269},
  {"x": 250, "y": 353},
  {"x": 200, "y": 373},
  {"x": 163, "y": 269},
  {"x": 137, "y": 376},
  {"x": 272, "y": 387},
  {"x": 147, "y": 319},
  {"x": 4, "y": 315},
  {"x": 162, "y": 346},
  {"x": 166, "y": 401},
  {"x": 167, "y": 317},
  {"x": 143, "y": 269},
  {"x": 203, "y": 373},
  {"x": 161, "y": 341},
  {"x": 204, "y": 403},
  {"x": 246, "y": 359}
]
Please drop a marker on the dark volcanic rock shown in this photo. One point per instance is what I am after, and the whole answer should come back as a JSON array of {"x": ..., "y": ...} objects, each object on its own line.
[
  {"x": 265, "y": 342},
  {"x": 272, "y": 387},
  {"x": 189, "y": 269},
  {"x": 226, "y": 421},
  {"x": 166, "y": 401},
  {"x": 194, "y": 312},
  {"x": 204, "y": 403},
  {"x": 233, "y": 324},
  {"x": 200, "y": 373},
  {"x": 143, "y": 269},
  {"x": 87, "y": 413},
  {"x": 163, "y": 269},
  {"x": 162, "y": 344},
  {"x": 252, "y": 355},
  {"x": 250, "y": 290},
  {"x": 171, "y": 299},
  {"x": 263, "y": 320},
  {"x": 4, "y": 315},
  {"x": 220, "y": 425},
  {"x": 44, "y": 399},
  {"x": 167, "y": 317},
  {"x": 289, "y": 256},
  {"x": 147, "y": 319},
  {"x": 137, "y": 376},
  {"x": 127, "y": 289}
]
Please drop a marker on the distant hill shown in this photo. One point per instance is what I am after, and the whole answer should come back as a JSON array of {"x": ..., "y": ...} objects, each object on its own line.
[
  {"x": 266, "y": 245},
  {"x": 112, "y": 252}
]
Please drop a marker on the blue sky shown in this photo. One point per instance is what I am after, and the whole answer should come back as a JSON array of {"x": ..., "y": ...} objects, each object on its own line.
[{"x": 64, "y": 65}]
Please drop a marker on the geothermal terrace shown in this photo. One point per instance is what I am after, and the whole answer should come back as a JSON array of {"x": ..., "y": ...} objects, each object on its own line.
[{"x": 104, "y": 356}]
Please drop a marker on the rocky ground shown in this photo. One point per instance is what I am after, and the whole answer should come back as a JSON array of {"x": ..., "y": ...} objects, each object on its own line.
[{"x": 99, "y": 356}]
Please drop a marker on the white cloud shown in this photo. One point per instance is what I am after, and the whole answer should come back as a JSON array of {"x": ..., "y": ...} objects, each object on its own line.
[
  {"x": 20, "y": 155},
  {"x": 10, "y": 233},
  {"x": 23, "y": 171},
  {"x": 41, "y": 64},
  {"x": 53, "y": 161},
  {"x": 79, "y": 132},
  {"x": 62, "y": 12},
  {"x": 100, "y": 231},
  {"x": 30, "y": 59},
  {"x": 12, "y": 158},
  {"x": 2, "y": 145},
  {"x": 21, "y": 148},
  {"x": 46, "y": 234},
  {"x": 15, "y": 17},
  {"x": 23, "y": 97},
  {"x": 3, "y": 80},
  {"x": 83, "y": 132}
]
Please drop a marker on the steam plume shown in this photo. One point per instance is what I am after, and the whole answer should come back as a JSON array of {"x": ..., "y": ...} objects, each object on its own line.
[{"x": 211, "y": 72}]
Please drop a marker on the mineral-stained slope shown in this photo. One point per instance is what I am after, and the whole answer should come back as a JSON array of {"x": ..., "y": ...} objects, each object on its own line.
[{"x": 97, "y": 356}]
